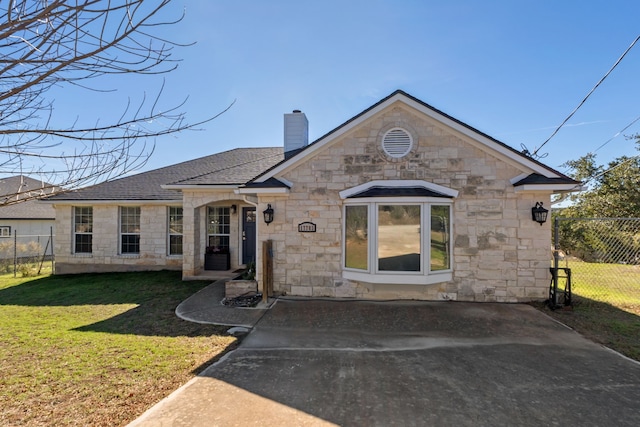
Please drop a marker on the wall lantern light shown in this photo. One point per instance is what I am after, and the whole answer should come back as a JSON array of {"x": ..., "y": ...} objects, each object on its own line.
[
  {"x": 234, "y": 209},
  {"x": 539, "y": 214},
  {"x": 268, "y": 214}
]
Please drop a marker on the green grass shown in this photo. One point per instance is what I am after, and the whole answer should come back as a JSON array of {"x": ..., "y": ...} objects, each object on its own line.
[
  {"x": 96, "y": 349},
  {"x": 610, "y": 283},
  {"x": 606, "y": 305}
]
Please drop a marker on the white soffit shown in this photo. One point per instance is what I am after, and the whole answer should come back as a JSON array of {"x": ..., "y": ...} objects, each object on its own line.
[{"x": 545, "y": 188}]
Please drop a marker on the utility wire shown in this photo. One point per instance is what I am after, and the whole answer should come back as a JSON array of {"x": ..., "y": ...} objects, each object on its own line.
[
  {"x": 588, "y": 95},
  {"x": 618, "y": 134},
  {"x": 591, "y": 178}
]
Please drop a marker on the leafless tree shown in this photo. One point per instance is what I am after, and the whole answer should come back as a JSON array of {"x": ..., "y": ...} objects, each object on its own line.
[{"x": 49, "y": 44}]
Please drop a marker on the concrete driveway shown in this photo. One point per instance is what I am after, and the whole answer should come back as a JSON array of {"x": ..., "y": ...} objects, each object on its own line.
[{"x": 310, "y": 362}]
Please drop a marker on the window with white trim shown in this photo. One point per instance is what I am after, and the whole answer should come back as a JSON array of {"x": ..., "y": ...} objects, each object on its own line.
[
  {"x": 175, "y": 230},
  {"x": 5, "y": 231},
  {"x": 129, "y": 230},
  {"x": 387, "y": 240},
  {"x": 82, "y": 229},
  {"x": 218, "y": 228}
]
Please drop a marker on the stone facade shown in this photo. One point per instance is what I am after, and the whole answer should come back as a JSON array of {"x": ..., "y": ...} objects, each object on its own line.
[
  {"x": 499, "y": 253},
  {"x": 105, "y": 256}
]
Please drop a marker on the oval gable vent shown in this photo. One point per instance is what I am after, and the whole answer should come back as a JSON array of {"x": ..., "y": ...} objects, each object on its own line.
[{"x": 397, "y": 142}]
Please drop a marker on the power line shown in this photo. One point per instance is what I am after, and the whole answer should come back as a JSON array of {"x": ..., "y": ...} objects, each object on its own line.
[
  {"x": 598, "y": 175},
  {"x": 586, "y": 97},
  {"x": 618, "y": 133}
]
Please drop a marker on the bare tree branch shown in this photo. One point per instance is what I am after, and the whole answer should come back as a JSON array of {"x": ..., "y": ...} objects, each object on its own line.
[{"x": 47, "y": 44}]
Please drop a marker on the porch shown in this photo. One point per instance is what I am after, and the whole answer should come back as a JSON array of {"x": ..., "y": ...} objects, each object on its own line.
[{"x": 215, "y": 275}]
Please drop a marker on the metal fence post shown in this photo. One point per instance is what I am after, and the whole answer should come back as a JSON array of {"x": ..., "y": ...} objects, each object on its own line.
[
  {"x": 556, "y": 256},
  {"x": 15, "y": 253}
]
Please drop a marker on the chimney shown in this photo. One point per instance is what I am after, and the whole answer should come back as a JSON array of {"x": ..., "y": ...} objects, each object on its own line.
[{"x": 296, "y": 132}]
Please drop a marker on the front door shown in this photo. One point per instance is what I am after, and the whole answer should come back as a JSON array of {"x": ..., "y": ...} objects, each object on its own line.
[{"x": 248, "y": 235}]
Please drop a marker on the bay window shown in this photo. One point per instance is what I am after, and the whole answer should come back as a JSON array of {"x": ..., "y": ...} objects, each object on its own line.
[{"x": 397, "y": 240}]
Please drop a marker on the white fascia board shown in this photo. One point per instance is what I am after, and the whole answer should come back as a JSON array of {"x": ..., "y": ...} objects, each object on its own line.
[
  {"x": 279, "y": 190},
  {"x": 472, "y": 136},
  {"x": 224, "y": 187},
  {"x": 399, "y": 200},
  {"x": 398, "y": 183},
  {"x": 114, "y": 202},
  {"x": 286, "y": 182},
  {"x": 487, "y": 142},
  {"x": 519, "y": 178},
  {"x": 553, "y": 188}
]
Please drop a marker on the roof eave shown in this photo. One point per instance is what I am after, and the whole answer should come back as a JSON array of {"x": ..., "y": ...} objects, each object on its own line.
[
  {"x": 553, "y": 188},
  {"x": 263, "y": 191},
  {"x": 79, "y": 202},
  {"x": 179, "y": 187}
]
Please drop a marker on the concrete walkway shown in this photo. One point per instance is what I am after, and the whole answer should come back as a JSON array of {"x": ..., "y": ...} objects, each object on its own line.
[
  {"x": 310, "y": 362},
  {"x": 206, "y": 306}
]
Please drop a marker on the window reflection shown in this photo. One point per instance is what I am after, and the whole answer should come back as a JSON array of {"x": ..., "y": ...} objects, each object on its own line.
[{"x": 398, "y": 238}]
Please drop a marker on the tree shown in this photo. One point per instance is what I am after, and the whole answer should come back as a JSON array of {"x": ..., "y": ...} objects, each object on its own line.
[
  {"x": 614, "y": 189},
  {"x": 614, "y": 192},
  {"x": 48, "y": 44}
]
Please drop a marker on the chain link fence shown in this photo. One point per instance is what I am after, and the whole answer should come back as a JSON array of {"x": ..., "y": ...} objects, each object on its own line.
[
  {"x": 26, "y": 255},
  {"x": 603, "y": 255}
]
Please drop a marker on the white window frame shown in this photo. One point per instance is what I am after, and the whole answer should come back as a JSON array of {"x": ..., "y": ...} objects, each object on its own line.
[
  {"x": 5, "y": 231},
  {"x": 226, "y": 214},
  {"x": 85, "y": 233},
  {"x": 169, "y": 233},
  {"x": 121, "y": 233},
  {"x": 372, "y": 275}
]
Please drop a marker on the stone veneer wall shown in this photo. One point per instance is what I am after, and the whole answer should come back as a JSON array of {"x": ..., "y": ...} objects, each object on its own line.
[
  {"x": 499, "y": 253},
  {"x": 105, "y": 258}
]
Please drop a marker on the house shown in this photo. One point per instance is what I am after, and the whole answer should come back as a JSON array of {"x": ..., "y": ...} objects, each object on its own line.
[
  {"x": 400, "y": 201},
  {"x": 22, "y": 219}
]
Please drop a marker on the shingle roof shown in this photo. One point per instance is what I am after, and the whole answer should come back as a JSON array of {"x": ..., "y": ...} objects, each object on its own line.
[
  {"x": 535, "y": 178},
  {"x": 233, "y": 167},
  {"x": 29, "y": 209},
  {"x": 379, "y": 191}
]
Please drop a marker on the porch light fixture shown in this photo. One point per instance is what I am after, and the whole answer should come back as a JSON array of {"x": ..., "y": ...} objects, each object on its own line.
[
  {"x": 268, "y": 214},
  {"x": 539, "y": 214},
  {"x": 234, "y": 209}
]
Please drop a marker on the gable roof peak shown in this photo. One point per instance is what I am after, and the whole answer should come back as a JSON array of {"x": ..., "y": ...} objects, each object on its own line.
[{"x": 498, "y": 147}]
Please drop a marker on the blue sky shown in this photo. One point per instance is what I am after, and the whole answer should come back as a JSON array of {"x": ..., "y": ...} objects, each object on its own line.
[{"x": 512, "y": 69}]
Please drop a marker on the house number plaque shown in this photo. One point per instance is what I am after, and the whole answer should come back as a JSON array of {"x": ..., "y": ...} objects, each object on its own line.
[{"x": 306, "y": 227}]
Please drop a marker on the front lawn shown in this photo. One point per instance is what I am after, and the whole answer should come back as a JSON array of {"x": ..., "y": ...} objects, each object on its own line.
[
  {"x": 97, "y": 349},
  {"x": 606, "y": 305}
]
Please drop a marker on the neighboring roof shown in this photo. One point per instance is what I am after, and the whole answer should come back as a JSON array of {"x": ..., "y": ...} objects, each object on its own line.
[
  {"x": 20, "y": 187},
  {"x": 399, "y": 95},
  {"x": 233, "y": 167}
]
